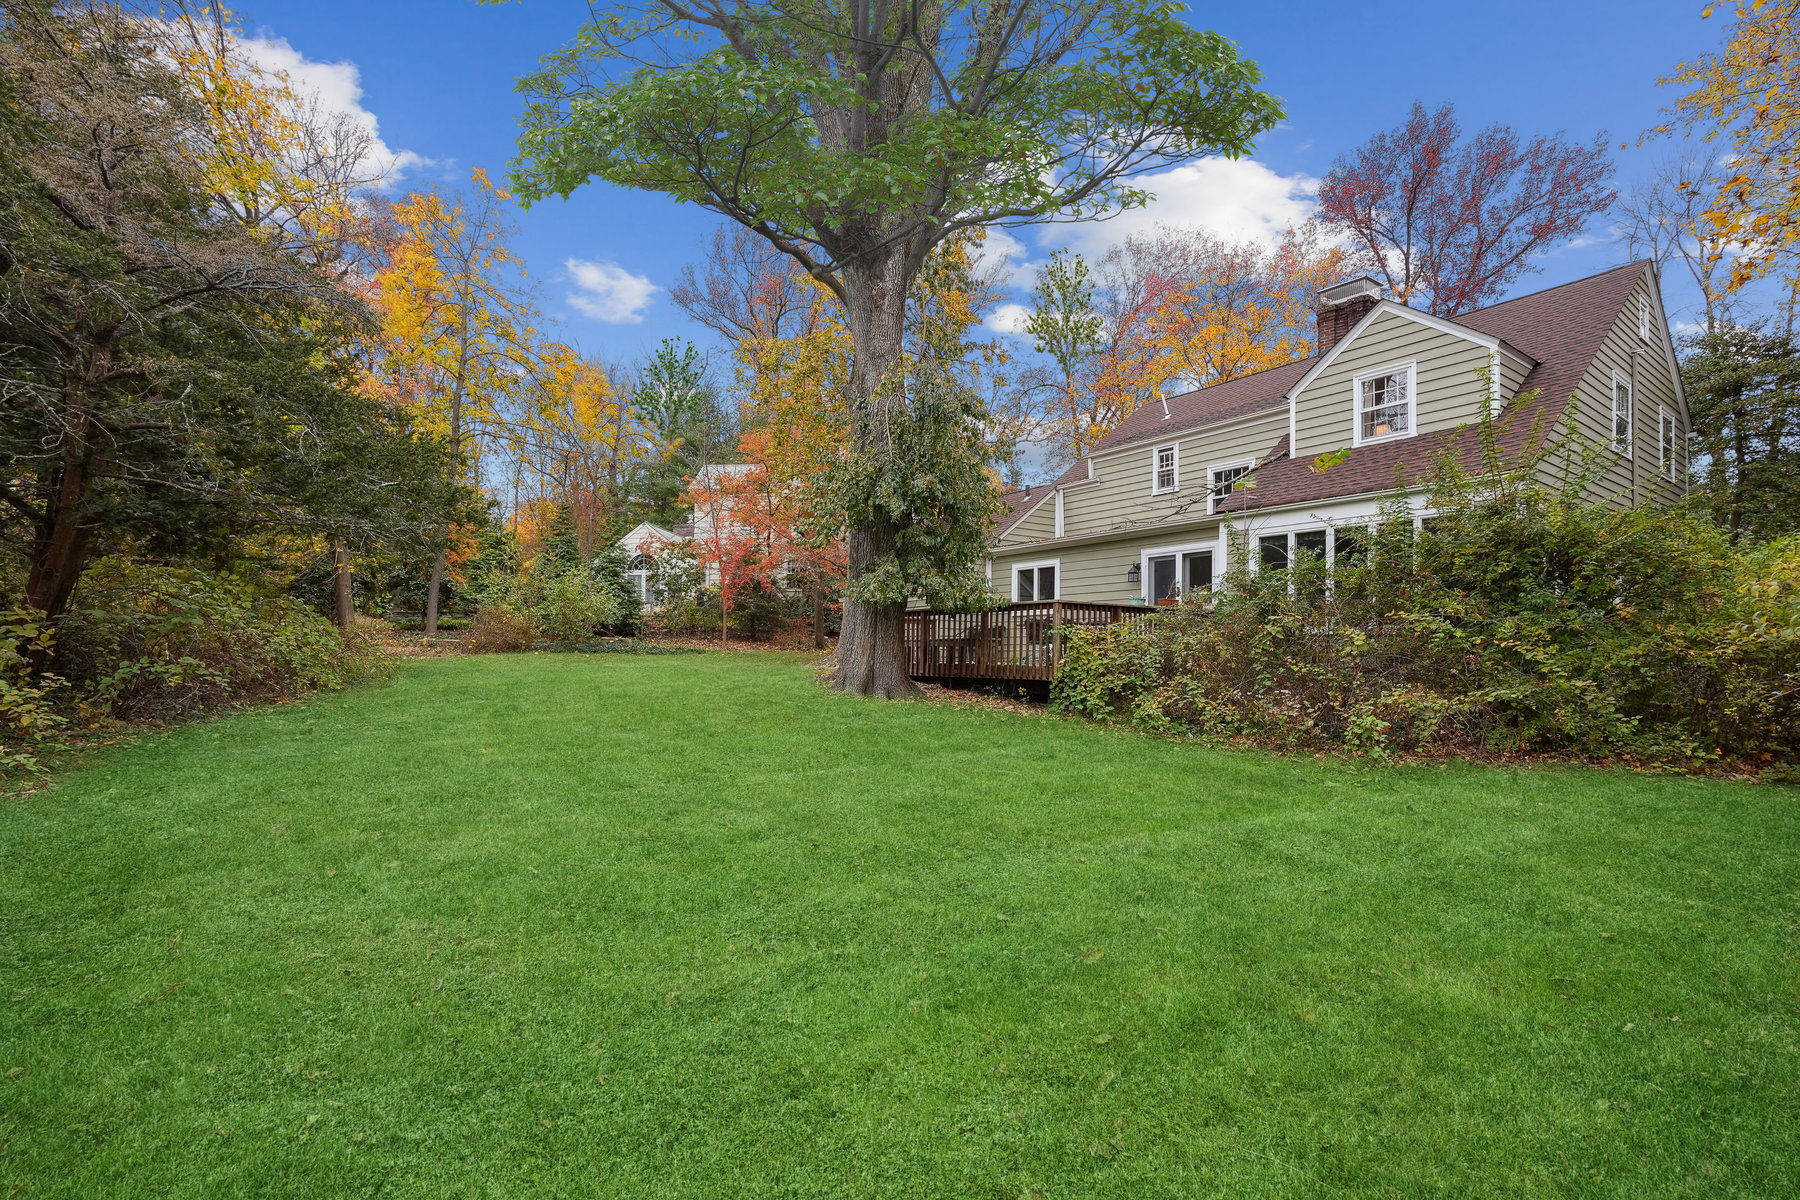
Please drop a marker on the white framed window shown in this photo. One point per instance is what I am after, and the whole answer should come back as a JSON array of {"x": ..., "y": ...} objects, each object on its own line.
[
  {"x": 1621, "y": 409},
  {"x": 1668, "y": 444},
  {"x": 1222, "y": 479},
  {"x": 1034, "y": 581},
  {"x": 1386, "y": 404},
  {"x": 1168, "y": 573},
  {"x": 1643, "y": 319},
  {"x": 1165, "y": 469}
]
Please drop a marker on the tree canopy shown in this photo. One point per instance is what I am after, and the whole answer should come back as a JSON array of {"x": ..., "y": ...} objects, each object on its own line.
[{"x": 856, "y": 136}]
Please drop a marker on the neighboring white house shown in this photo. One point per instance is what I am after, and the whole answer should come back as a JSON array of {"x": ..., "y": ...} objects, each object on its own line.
[
  {"x": 712, "y": 519},
  {"x": 646, "y": 540},
  {"x": 643, "y": 544}
]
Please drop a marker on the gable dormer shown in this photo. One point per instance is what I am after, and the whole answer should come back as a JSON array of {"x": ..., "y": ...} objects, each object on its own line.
[{"x": 1394, "y": 374}]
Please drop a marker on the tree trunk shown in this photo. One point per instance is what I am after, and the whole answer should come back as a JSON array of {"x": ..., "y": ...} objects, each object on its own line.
[
  {"x": 343, "y": 605},
  {"x": 432, "y": 588},
  {"x": 871, "y": 654},
  {"x": 59, "y": 544}
]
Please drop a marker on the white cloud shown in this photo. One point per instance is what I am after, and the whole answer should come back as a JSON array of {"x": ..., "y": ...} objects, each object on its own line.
[
  {"x": 1004, "y": 254},
  {"x": 1236, "y": 199},
  {"x": 608, "y": 292},
  {"x": 336, "y": 88},
  {"x": 1008, "y": 318}
]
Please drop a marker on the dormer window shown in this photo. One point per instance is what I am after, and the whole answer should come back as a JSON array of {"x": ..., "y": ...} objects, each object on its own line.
[
  {"x": 1385, "y": 404},
  {"x": 1166, "y": 474},
  {"x": 1222, "y": 481}
]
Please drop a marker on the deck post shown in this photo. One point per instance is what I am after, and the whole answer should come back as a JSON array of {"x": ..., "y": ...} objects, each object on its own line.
[{"x": 1056, "y": 621}]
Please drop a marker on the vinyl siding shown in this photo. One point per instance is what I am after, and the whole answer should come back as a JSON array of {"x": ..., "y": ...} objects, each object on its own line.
[
  {"x": 1634, "y": 479},
  {"x": 1037, "y": 525},
  {"x": 1450, "y": 392},
  {"x": 1095, "y": 571},
  {"x": 1119, "y": 495}
]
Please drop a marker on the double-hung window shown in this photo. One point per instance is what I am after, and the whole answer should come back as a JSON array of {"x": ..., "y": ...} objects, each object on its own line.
[
  {"x": 1165, "y": 475},
  {"x": 1668, "y": 447},
  {"x": 1621, "y": 435},
  {"x": 1385, "y": 404},
  {"x": 1034, "y": 581},
  {"x": 1222, "y": 481}
]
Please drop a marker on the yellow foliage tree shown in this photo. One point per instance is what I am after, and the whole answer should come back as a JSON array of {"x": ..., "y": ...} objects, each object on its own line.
[
  {"x": 1748, "y": 95},
  {"x": 575, "y": 441},
  {"x": 459, "y": 325},
  {"x": 272, "y": 156}
]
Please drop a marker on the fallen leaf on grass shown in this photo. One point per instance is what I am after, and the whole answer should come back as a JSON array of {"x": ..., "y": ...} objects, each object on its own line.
[{"x": 1093, "y": 954}]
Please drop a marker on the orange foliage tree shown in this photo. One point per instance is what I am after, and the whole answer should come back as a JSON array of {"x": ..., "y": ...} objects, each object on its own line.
[
  {"x": 1178, "y": 308},
  {"x": 1748, "y": 95}
]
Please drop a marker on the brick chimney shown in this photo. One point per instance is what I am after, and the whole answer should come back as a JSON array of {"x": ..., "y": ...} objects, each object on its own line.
[{"x": 1342, "y": 305}]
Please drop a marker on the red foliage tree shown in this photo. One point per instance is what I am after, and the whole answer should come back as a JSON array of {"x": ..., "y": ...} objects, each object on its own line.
[
  {"x": 758, "y": 534},
  {"x": 1449, "y": 224}
]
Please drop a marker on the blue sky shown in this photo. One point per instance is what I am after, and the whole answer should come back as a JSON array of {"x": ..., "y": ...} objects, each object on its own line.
[{"x": 438, "y": 77}]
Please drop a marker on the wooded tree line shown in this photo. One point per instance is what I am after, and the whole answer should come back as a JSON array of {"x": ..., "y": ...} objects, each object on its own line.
[{"x": 223, "y": 344}]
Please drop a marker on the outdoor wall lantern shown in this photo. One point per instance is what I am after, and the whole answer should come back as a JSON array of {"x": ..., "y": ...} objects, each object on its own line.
[{"x": 1133, "y": 573}]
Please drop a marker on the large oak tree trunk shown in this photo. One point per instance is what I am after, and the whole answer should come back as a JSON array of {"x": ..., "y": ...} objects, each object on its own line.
[{"x": 871, "y": 653}]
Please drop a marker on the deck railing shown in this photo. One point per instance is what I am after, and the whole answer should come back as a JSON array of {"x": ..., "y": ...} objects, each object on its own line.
[{"x": 1018, "y": 641}]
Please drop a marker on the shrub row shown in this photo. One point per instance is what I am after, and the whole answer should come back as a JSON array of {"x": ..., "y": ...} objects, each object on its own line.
[
  {"x": 146, "y": 643},
  {"x": 1522, "y": 617}
]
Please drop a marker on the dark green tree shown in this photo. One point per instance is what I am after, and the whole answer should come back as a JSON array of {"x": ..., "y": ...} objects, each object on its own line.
[
  {"x": 168, "y": 383},
  {"x": 1743, "y": 392}
]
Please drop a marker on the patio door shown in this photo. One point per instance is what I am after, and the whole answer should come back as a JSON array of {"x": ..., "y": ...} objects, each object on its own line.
[
  {"x": 1163, "y": 580},
  {"x": 1196, "y": 572}
]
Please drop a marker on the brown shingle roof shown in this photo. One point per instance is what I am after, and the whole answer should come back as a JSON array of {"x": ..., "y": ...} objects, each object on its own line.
[
  {"x": 1020, "y": 503},
  {"x": 1226, "y": 401},
  {"x": 1561, "y": 327}
]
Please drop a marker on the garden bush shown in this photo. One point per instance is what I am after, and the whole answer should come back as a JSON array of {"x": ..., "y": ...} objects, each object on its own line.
[
  {"x": 154, "y": 643},
  {"x": 1523, "y": 617},
  {"x": 500, "y": 628},
  {"x": 564, "y": 603}
]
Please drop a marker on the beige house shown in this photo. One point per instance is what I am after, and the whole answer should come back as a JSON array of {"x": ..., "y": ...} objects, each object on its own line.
[{"x": 1302, "y": 456}]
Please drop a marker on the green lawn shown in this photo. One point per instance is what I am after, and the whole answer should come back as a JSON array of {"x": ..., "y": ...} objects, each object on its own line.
[{"x": 690, "y": 926}]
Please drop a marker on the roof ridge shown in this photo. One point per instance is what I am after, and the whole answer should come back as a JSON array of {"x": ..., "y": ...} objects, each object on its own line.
[
  {"x": 1238, "y": 378},
  {"x": 1555, "y": 287}
]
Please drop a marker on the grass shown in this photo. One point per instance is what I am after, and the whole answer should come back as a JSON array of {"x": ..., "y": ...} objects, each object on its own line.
[{"x": 603, "y": 925}]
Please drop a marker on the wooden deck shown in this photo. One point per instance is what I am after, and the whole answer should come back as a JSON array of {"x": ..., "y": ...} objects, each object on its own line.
[{"x": 1020, "y": 642}]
